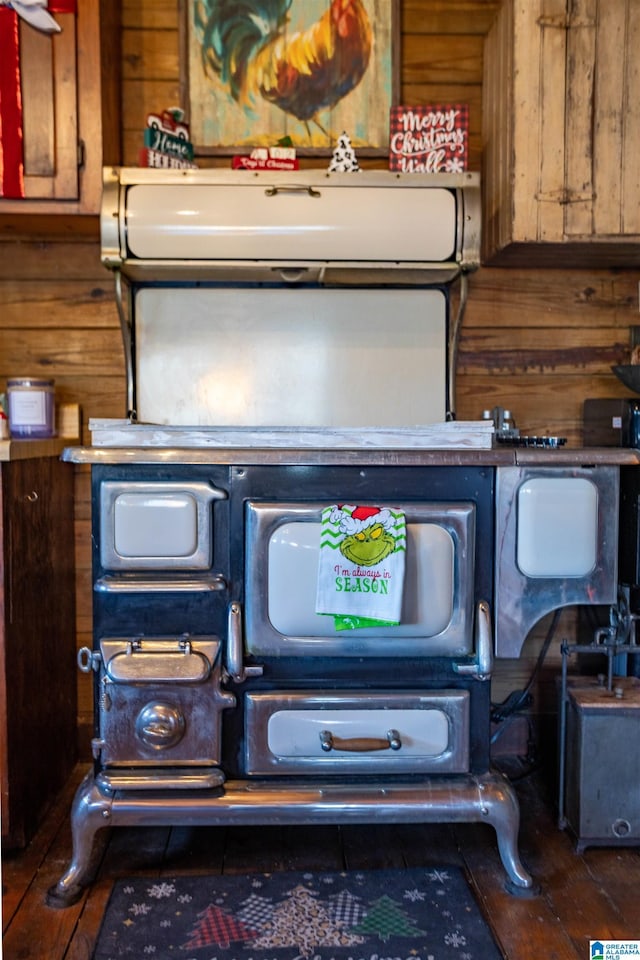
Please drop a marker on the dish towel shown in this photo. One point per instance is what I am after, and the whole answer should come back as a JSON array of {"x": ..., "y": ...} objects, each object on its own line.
[{"x": 361, "y": 565}]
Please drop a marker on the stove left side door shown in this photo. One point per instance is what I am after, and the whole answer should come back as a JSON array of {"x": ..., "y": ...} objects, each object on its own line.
[{"x": 161, "y": 587}]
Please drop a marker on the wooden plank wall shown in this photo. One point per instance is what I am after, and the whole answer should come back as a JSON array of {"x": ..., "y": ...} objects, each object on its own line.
[{"x": 535, "y": 341}]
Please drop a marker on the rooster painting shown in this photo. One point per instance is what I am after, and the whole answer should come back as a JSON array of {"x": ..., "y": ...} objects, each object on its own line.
[{"x": 272, "y": 54}]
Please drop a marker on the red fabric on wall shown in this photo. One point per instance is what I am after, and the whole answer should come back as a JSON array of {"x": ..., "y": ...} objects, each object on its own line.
[{"x": 11, "y": 166}]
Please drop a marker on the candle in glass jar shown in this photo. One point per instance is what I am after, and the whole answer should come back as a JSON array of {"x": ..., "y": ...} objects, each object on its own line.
[{"x": 31, "y": 407}]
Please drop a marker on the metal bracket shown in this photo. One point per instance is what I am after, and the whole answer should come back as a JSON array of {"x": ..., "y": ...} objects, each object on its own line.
[
  {"x": 88, "y": 660},
  {"x": 482, "y": 667},
  {"x": 126, "y": 329}
]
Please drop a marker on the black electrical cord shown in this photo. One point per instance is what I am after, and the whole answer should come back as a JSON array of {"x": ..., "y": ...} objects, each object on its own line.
[
  {"x": 519, "y": 699},
  {"x": 503, "y": 714}
]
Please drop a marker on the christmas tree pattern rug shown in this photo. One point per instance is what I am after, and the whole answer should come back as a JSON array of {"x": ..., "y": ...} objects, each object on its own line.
[{"x": 413, "y": 914}]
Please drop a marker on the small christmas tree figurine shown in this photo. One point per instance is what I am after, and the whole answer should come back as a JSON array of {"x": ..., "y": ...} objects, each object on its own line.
[{"x": 344, "y": 158}]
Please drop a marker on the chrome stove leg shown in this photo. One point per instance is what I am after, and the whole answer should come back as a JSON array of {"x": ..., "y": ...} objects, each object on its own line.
[
  {"x": 500, "y": 807},
  {"x": 90, "y": 812}
]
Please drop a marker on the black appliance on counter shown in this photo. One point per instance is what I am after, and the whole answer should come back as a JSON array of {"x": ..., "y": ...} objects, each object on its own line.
[{"x": 611, "y": 422}]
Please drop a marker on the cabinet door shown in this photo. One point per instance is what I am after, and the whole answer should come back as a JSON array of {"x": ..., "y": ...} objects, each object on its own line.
[
  {"x": 49, "y": 87},
  {"x": 70, "y": 112},
  {"x": 37, "y": 641},
  {"x": 561, "y": 128}
]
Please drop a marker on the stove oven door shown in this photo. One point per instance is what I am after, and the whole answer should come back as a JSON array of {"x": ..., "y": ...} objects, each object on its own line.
[{"x": 282, "y": 551}]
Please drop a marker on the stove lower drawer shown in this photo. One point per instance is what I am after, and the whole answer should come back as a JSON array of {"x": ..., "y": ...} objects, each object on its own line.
[{"x": 353, "y": 732}]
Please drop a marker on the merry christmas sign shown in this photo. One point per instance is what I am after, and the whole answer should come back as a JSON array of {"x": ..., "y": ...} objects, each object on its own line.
[{"x": 429, "y": 139}]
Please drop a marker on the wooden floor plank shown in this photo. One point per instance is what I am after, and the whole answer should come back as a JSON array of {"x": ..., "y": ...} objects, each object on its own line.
[
  {"x": 375, "y": 846},
  {"x": 569, "y": 885},
  {"x": 368, "y": 847},
  {"x": 39, "y": 931},
  {"x": 130, "y": 851},
  {"x": 615, "y": 870},
  {"x": 312, "y": 848},
  {"x": 524, "y": 927},
  {"x": 253, "y": 850},
  {"x": 197, "y": 850},
  {"x": 20, "y": 866}
]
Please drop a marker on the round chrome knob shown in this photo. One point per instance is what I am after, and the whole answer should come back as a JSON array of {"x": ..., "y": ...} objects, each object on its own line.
[{"x": 160, "y": 725}]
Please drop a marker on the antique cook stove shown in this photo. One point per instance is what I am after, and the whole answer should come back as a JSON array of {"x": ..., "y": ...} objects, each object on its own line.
[{"x": 282, "y": 340}]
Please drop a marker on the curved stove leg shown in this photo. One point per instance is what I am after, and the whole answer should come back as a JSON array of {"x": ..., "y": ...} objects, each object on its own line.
[
  {"x": 501, "y": 808},
  {"x": 90, "y": 812}
]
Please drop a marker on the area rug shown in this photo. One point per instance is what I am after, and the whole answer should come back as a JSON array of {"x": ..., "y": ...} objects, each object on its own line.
[{"x": 413, "y": 914}]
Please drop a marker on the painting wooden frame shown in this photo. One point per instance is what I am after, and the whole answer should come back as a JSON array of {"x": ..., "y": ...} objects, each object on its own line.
[{"x": 221, "y": 126}]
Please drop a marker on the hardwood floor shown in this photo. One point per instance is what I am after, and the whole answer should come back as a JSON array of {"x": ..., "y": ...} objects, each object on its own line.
[{"x": 582, "y": 897}]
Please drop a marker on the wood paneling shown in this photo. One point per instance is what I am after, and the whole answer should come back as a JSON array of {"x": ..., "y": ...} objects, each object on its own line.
[
  {"x": 536, "y": 341},
  {"x": 440, "y": 17}
]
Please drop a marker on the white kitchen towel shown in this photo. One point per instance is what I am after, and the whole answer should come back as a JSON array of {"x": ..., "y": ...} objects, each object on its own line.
[{"x": 361, "y": 565}]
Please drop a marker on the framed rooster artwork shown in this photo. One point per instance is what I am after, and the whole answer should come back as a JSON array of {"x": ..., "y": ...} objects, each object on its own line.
[{"x": 255, "y": 71}]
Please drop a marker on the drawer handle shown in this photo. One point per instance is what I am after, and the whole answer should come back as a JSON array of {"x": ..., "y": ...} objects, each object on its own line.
[{"x": 329, "y": 742}]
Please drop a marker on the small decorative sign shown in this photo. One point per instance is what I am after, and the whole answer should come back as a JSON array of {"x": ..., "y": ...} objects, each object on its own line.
[
  {"x": 429, "y": 139},
  {"x": 267, "y": 158},
  {"x": 166, "y": 141}
]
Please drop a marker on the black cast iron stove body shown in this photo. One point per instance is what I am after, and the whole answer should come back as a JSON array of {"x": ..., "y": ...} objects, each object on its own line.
[{"x": 195, "y": 690}]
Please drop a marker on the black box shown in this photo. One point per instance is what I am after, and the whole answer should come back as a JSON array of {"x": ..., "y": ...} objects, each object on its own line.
[{"x": 611, "y": 423}]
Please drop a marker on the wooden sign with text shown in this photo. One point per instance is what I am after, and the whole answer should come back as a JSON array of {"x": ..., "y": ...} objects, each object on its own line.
[{"x": 429, "y": 139}]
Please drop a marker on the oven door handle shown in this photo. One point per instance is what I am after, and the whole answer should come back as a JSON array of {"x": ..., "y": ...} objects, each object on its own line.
[
  {"x": 330, "y": 742},
  {"x": 235, "y": 664}
]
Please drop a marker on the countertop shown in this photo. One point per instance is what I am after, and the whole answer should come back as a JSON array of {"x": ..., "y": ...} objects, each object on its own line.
[
  {"x": 32, "y": 449},
  {"x": 500, "y": 456},
  {"x": 454, "y": 443}
]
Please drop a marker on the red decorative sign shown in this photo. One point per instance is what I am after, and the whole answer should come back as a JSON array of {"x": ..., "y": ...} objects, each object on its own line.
[
  {"x": 429, "y": 139},
  {"x": 267, "y": 158}
]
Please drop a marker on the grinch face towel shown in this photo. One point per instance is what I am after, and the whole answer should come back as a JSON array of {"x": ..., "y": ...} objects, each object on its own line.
[{"x": 361, "y": 565}]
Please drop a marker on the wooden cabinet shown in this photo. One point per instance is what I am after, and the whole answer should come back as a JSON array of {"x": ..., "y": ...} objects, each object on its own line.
[
  {"x": 71, "y": 117},
  {"x": 561, "y": 127},
  {"x": 37, "y": 639}
]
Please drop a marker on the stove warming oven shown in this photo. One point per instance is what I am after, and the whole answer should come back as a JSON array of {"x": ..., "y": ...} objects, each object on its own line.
[{"x": 281, "y": 343}]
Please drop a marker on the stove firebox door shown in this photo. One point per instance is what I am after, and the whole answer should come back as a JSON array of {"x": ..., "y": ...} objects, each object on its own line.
[{"x": 160, "y": 702}]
